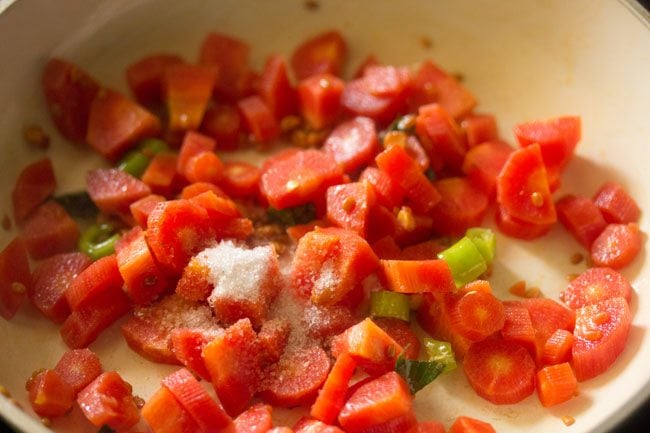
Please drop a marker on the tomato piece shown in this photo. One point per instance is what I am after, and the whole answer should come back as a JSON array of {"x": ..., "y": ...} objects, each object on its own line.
[
  {"x": 258, "y": 119},
  {"x": 323, "y": 53},
  {"x": 386, "y": 248},
  {"x": 479, "y": 128},
  {"x": 518, "y": 326},
  {"x": 50, "y": 230},
  {"x": 275, "y": 88},
  {"x": 594, "y": 285},
  {"x": 143, "y": 278},
  {"x": 197, "y": 188},
  {"x": 476, "y": 315},
  {"x": 557, "y": 349},
  {"x": 432, "y": 84},
  {"x": 331, "y": 397},
  {"x": 108, "y": 400},
  {"x": 441, "y": 135},
  {"x": 161, "y": 175},
  {"x": 353, "y": 143},
  {"x": 601, "y": 333},
  {"x": 208, "y": 414},
  {"x": 617, "y": 245},
  {"x": 187, "y": 345},
  {"x": 51, "y": 278},
  {"x": 556, "y": 384},
  {"x": 329, "y": 263},
  {"x": 99, "y": 277},
  {"x": 273, "y": 339},
  {"x": 49, "y": 395},
  {"x": 298, "y": 178},
  {"x": 296, "y": 378},
  {"x": 349, "y": 205},
  {"x": 370, "y": 346},
  {"x": 230, "y": 55},
  {"x": 581, "y": 217},
  {"x": 145, "y": 76},
  {"x": 616, "y": 205},
  {"x": 516, "y": 228},
  {"x": 324, "y": 322},
  {"x": 233, "y": 361},
  {"x": 376, "y": 403},
  {"x": 396, "y": 163},
  {"x": 219, "y": 208},
  {"x": 402, "y": 333},
  {"x": 547, "y": 315},
  {"x": 320, "y": 99},
  {"x": 256, "y": 419},
  {"x": 35, "y": 183},
  {"x": 69, "y": 93},
  {"x": 114, "y": 190},
  {"x": 387, "y": 190},
  {"x": 500, "y": 371},
  {"x": 141, "y": 208},
  {"x": 483, "y": 163},
  {"x": 147, "y": 332},
  {"x": 204, "y": 167},
  {"x": 522, "y": 187},
  {"x": 116, "y": 123},
  {"x": 461, "y": 206},
  {"x": 433, "y": 316},
  {"x": 193, "y": 144},
  {"x": 84, "y": 325},
  {"x": 417, "y": 276},
  {"x": 164, "y": 414},
  {"x": 177, "y": 229},
  {"x": 557, "y": 139},
  {"x": 78, "y": 368},
  {"x": 308, "y": 425},
  {"x": 223, "y": 123},
  {"x": 187, "y": 90},
  {"x": 15, "y": 277},
  {"x": 465, "y": 424},
  {"x": 240, "y": 179}
]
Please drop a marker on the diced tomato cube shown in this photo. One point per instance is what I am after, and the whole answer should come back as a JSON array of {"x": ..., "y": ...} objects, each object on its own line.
[
  {"x": 102, "y": 276},
  {"x": 141, "y": 208},
  {"x": 353, "y": 143},
  {"x": 240, "y": 179},
  {"x": 465, "y": 424},
  {"x": 50, "y": 230},
  {"x": 617, "y": 245},
  {"x": 320, "y": 99},
  {"x": 145, "y": 76},
  {"x": 323, "y": 53},
  {"x": 108, "y": 400},
  {"x": 230, "y": 55},
  {"x": 581, "y": 217},
  {"x": 439, "y": 132},
  {"x": 187, "y": 345},
  {"x": 256, "y": 419},
  {"x": 193, "y": 144},
  {"x": 479, "y": 128},
  {"x": 52, "y": 277},
  {"x": 78, "y": 368},
  {"x": 594, "y": 285},
  {"x": 114, "y": 190},
  {"x": 223, "y": 123},
  {"x": 49, "y": 395},
  {"x": 187, "y": 90},
  {"x": 417, "y": 276},
  {"x": 69, "y": 93},
  {"x": 35, "y": 183},
  {"x": 616, "y": 204},
  {"x": 275, "y": 88},
  {"x": 402, "y": 333},
  {"x": 461, "y": 206},
  {"x": 161, "y": 175},
  {"x": 15, "y": 277},
  {"x": 349, "y": 205},
  {"x": 483, "y": 163},
  {"x": 164, "y": 414},
  {"x": 258, "y": 119},
  {"x": 116, "y": 123}
]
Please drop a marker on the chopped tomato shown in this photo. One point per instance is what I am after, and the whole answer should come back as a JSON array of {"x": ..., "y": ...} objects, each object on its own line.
[
  {"x": 387, "y": 190},
  {"x": 258, "y": 119},
  {"x": 240, "y": 179},
  {"x": 581, "y": 217},
  {"x": 353, "y": 143},
  {"x": 320, "y": 99},
  {"x": 601, "y": 332},
  {"x": 500, "y": 371},
  {"x": 441, "y": 135},
  {"x": 331, "y": 397},
  {"x": 402, "y": 333},
  {"x": 15, "y": 277},
  {"x": 145, "y": 76},
  {"x": 223, "y": 123},
  {"x": 187, "y": 345},
  {"x": 35, "y": 183},
  {"x": 49, "y": 395},
  {"x": 114, "y": 190},
  {"x": 187, "y": 90},
  {"x": 141, "y": 208},
  {"x": 479, "y": 128},
  {"x": 461, "y": 206},
  {"x": 617, "y": 245},
  {"x": 161, "y": 175},
  {"x": 108, "y": 400},
  {"x": 116, "y": 123},
  {"x": 556, "y": 384},
  {"x": 230, "y": 55},
  {"x": 50, "y": 230},
  {"x": 476, "y": 315},
  {"x": 417, "y": 276},
  {"x": 349, "y": 206},
  {"x": 323, "y": 53},
  {"x": 275, "y": 88},
  {"x": 78, "y": 368},
  {"x": 69, "y": 93},
  {"x": 483, "y": 163},
  {"x": 465, "y": 424},
  {"x": 616, "y": 204},
  {"x": 163, "y": 413},
  {"x": 594, "y": 285}
]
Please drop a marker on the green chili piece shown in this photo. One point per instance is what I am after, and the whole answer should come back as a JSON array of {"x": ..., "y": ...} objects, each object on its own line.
[
  {"x": 384, "y": 303},
  {"x": 440, "y": 351},
  {"x": 135, "y": 163},
  {"x": 151, "y": 146},
  {"x": 418, "y": 374},
  {"x": 485, "y": 241},
  {"x": 465, "y": 261},
  {"x": 404, "y": 123},
  {"x": 293, "y": 215},
  {"x": 98, "y": 241}
]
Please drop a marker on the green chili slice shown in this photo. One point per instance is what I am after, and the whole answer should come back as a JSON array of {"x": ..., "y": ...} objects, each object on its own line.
[
  {"x": 384, "y": 303},
  {"x": 465, "y": 261},
  {"x": 485, "y": 240},
  {"x": 151, "y": 146},
  {"x": 418, "y": 374},
  {"x": 293, "y": 215},
  {"x": 135, "y": 163},
  {"x": 98, "y": 241},
  {"x": 440, "y": 351}
]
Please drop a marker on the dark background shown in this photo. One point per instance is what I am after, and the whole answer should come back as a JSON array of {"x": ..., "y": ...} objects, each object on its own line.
[{"x": 639, "y": 422}]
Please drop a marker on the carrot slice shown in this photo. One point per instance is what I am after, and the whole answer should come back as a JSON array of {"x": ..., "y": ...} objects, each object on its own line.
[
  {"x": 594, "y": 285},
  {"x": 296, "y": 378},
  {"x": 193, "y": 144},
  {"x": 518, "y": 326},
  {"x": 349, "y": 205},
  {"x": 35, "y": 183},
  {"x": 557, "y": 348},
  {"x": 500, "y": 371},
  {"x": 476, "y": 315},
  {"x": 331, "y": 397},
  {"x": 141, "y": 209},
  {"x": 417, "y": 276},
  {"x": 465, "y": 424},
  {"x": 616, "y": 204},
  {"x": 275, "y": 88},
  {"x": 161, "y": 175},
  {"x": 556, "y": 384},
  {"x": 402, "y": 333},
  {"x": 461, "y": 206},
  {"x": 100, "y": 277},
  {"x": 617, "y": 245},
  {"x": 164, "y": 414},
  {"x": 207, "y": 413}
]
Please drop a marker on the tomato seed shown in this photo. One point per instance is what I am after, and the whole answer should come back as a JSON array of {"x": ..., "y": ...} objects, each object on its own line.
[
  {"x": 36, "y": 136},
  {"x": 289, "y": 123},
  {"x": 537, "y": 199},
  {"x": 6, "y": 222},
  {"x": 349, "y": 204},
  {"x": 292, "y": 185},
  {"x": 568, "y": 420},
  {"x": 4, "y": 391},
  {"x": 518, "y": 289},
  {"x": 17, "y": 287},
  {"x": 533, "y": 292},
  {"x": 601, "y": 318},
  {"x": 406, "y": 219},
  {"x": 593, "y": 335},
  {"x": 577, "y": 258}
]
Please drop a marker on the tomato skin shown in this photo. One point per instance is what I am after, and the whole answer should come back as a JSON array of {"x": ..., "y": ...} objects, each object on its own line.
[
  {"x": 616, "y": 204},
  {"x": 108, "y": 400},
  {"x": 320, "y": 99},
  {"x": 275, "y": 88},
  {"x": 323, "y": 53},
  {"x": 14, "y": 272},
  {"x": 258, "y": 119},
  {"x": 353, "y": 143},
  {"x": 461, "y": 206},
  {"x": 594, "y": 285},
  {"x": 601, "y": 333},
  {"x": 115, "y": 123},
  {"x": 349, "y": 205},
  {"x": 50, "y": 230},
  {"x": 617, "y": 245},
  {"x": 145, "y": 76},
  {"x": 581, "y": 217},
  {"x": 69, "y": 92},
  {"x": 230, "y": 55},
  {"x": 35, "y": 183},
  {"x": 187, "y": 90}
]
